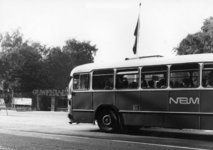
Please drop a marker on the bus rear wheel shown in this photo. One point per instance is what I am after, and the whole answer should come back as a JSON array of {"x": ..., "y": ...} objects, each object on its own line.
[{"x": 108, "y": 121}]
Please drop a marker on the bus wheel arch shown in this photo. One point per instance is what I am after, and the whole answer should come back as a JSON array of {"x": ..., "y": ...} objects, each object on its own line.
[{"x": 108, "y": 118}]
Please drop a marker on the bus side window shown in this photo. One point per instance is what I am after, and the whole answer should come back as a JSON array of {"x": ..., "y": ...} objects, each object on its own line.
[
  {"x": 127, "y": 78},
  {"x": 207, "y": 76},
  {"x": 84, "y": 81},
  {"x": 103, "y": 79},
  {"x": 76, "y": 82},
  {"x": 154, "y": 77},
  {"x": 184, "y": 75},
  {"x": 81, "y": 82}
]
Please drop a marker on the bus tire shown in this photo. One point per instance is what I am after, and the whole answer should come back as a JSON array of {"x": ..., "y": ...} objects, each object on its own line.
[{"x": 108, "y": 121}]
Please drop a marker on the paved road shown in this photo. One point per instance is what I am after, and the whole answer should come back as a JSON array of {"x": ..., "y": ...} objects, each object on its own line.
[{"x": 51, "y": 130}]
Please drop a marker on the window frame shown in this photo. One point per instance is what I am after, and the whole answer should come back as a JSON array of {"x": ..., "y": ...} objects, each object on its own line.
[
  {"x": 203, "y": 70},
  {"x": 131, "y": 71},
  {"x": 102, "y": 74},
  {"x": 155, "y": 71},
  {"x": 81, "y": 89},
  {"x": 190, "y": 71}
]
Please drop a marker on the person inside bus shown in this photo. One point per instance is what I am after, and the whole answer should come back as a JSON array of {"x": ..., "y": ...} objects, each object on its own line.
[
  {"x": 187, "y": 83},
  {"x": 143, "y": 83},
  {"x": 151, "y": 83},
  {"x": 84, "y": 84},
  {"x": 209, "y": 83},
  {"x": 119, "y": 83},
  {"x": 204, "y": 82},
  {"x": 158, "y": 84},
  {"x": 162, "y": 83},
  {"x": 176, "y": 84},
  {"x": 125, "y": 83},
  {"x": 107, "y": 85}
]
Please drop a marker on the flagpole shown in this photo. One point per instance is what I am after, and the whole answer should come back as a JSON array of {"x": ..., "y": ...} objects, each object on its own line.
[{"x": 138, "y": 34}]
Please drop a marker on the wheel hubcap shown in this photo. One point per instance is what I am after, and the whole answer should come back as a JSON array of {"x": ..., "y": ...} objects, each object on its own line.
[{"x": 106, "y": 120}]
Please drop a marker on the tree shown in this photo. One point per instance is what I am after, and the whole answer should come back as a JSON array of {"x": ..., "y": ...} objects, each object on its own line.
[
  {"x": 21, "y": 63},
  {"x": 60, "y": 62},
  {"x": 80, "y": 52},
  {"x": 200, "y": 42},
  {"x": 27, "y": 65}
]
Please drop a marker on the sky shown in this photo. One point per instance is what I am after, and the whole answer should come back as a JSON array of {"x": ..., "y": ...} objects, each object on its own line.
[{"x": 108, "y": 24}]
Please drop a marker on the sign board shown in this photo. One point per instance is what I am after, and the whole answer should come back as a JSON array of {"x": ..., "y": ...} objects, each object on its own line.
[
  {"x": 2, "y": 103},
  {"x": 22, "y": 101}
]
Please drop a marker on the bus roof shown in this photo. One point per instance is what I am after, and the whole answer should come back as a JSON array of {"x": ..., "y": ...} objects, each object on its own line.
[{"x": 150, "y": 61}]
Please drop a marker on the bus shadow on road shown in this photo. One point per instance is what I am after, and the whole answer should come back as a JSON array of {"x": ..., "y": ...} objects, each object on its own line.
[
  {"x": 170, "y": 133},
  {"x": 177, "y": 133}
]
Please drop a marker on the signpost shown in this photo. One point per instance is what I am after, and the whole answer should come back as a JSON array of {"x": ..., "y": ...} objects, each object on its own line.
[{"x": 2, "y": 104}]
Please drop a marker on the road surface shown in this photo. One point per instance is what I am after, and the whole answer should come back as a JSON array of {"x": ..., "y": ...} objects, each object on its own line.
[{"x": 51, "y": 130}]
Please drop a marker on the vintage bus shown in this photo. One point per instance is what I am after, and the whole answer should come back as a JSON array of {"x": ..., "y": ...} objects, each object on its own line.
[{"x": 167, "y": 92}]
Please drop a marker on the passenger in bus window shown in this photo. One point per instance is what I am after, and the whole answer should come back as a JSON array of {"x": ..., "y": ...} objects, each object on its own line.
[
  {"x": 75, "y": 84},
  {"x": 143, "y": 84},
  {"x": 151, "y": 83},
  {"x": 195, "y": 82},
  {"x": 107, "y": 85},
  {"x": 187, "y": 82},
  {"x": 82, "y": 85},
  {"x": 204, "y": 82},
  {"x": 134, "y": 85},
  {"x": 162, "y": 83},
  {"x": 125, "y": 82},
  {"x": 176, "y": 84},
  {"x": 209, "y": 83},
  {"x": 119, "y": 83},
  {"x": 158, "y": 85}
]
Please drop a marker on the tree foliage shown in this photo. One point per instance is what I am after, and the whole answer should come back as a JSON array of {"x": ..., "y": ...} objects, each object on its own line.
[
  {"x": 200, "y": 42},
  {"x": 27, "y": 65},
  {"x": 20, "y": 63}
]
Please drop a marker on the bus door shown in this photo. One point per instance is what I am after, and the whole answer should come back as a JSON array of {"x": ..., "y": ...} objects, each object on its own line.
[{"x": 82, "y": 98}]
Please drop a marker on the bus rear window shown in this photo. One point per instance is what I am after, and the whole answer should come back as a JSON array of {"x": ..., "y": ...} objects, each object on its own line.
[
  {"x": 103, "y": 79},
  {"x": 184, "y": 75},
  {"x": 81, "y": 81},
  {"x": 207, "y": 76}
]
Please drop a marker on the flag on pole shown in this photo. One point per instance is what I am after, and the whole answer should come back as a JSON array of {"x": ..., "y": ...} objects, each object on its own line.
[{"x": 136, "y": 34}]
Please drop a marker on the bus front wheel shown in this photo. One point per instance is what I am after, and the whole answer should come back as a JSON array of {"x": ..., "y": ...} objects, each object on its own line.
[{"x": 108, "y": 121}]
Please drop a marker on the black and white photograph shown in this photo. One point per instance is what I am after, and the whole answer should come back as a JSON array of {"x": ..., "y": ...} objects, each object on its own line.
[{"x": 106, "y": 75}]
